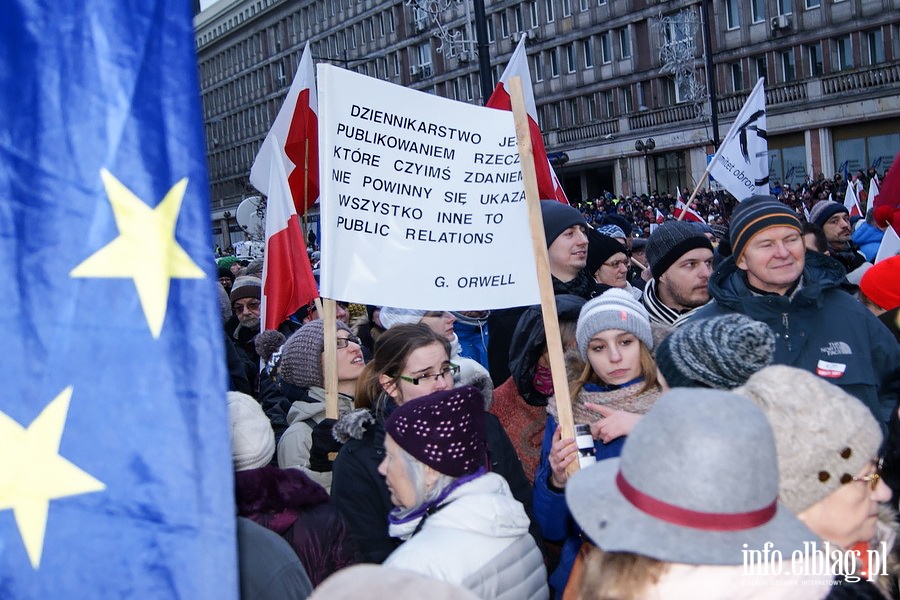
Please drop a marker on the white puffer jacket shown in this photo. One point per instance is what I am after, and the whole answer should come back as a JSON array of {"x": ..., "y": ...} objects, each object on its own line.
[{"x": 479, "y": 540}]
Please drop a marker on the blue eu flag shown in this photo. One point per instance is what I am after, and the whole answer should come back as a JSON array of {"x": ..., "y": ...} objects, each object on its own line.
[{"x": 115, "y": 459}]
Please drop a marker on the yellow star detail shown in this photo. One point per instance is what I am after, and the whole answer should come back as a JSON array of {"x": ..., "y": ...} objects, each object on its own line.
[
  {"x": 34, "y": 473},
  {"x": 145, "y": 250}
]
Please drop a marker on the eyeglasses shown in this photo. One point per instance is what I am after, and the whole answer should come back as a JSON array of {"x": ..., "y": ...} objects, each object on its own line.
[
  {"x": 871, "y": 479},
  {"x": 450, "y": 369},
  {"x": 343, "y": 342},
  {"x": 250, "y": 306},
  {"x": 616, "y": 264}
]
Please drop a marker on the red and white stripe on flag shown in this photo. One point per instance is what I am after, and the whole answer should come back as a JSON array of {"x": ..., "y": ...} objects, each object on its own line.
[
  {"x": 851, "y": 202},
  {"x": 288, "y": 282},
  {"x": 689, "y": 215},
  {"x": 549, "y": 186},
  {"x": 297, "y": 125}
]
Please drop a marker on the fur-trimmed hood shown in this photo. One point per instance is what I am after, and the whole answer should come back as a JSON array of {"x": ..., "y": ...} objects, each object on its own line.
[{"x": 275, "y": 497}]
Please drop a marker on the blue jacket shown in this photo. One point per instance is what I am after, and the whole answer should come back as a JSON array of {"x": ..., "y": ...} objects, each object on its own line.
[
  {"x": 552, "y": 513},
  {"x": 819, "y": 328},
  {"x": 868, "y": 238}
]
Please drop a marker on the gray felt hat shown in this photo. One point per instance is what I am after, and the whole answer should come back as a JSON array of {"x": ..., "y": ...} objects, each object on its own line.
[{"x": 697, "y": 483}]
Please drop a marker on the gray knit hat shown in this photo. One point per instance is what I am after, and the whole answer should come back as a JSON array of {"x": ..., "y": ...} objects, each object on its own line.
[
  {"x": 823, "y": 435},
  {"x": 246, "y": 286},
  {"x": 252, "y": 437},
  {"x": 670, "y": 241},
  {"x": 613, "y": 309},
  {"x": 721, "y": 352},
  {"x": 301, "y": 354},
  {"x": 391, "y": 316},
  {"x": 824, "y": 210}
]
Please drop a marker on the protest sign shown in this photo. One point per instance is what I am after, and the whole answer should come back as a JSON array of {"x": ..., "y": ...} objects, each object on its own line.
[{"x": 422, "y": 199}]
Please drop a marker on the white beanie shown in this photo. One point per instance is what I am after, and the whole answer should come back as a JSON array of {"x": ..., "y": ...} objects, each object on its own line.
[
  {"x": 391, "y": 316},
  {"x": 613, "y": 309},
  {"x": 252, "y": 437}
]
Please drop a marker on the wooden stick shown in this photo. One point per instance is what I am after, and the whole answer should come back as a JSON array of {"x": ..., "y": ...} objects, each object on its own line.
[
  {"x": 694, "y": 195},
  {"x": 329, "y": 358},
  {"x": 539, "y": 245}
]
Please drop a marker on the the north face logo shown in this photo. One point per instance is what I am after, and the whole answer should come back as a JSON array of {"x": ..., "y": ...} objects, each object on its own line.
[{"x": 836, "y": 348}]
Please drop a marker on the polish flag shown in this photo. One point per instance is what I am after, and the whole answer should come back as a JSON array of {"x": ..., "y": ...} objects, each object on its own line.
[
  {"x": 288, "y": 282},
  {"x": 297, "y": 124},
  {"x": 659, "y": 216},
  {"x": 873, "y": 191},
  {"x": 689, "y": 215},
  {"x": 548, "y": 184},
  {"x": 851, "y": 202}
]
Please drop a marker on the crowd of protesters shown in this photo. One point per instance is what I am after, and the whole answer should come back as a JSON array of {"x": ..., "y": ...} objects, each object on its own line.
[{"x": 734, "y": 382}]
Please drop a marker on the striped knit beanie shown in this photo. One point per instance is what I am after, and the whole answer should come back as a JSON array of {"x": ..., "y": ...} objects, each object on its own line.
[
  {"x": 756, "y": 214},
  {"x": 613, "y": 309},
  {"x": 721, "y": 352},
  {"x": 824, "y": 210}
]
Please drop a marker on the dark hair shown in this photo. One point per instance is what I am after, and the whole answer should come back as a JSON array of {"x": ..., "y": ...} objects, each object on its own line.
[
  {"x": 819, "y": 235},
  {"x": 391, "y": 353}
]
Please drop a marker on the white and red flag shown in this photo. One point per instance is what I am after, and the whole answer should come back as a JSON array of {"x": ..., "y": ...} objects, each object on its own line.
[
  {"x": 288, "y": 282},
  {"x": 689, "y": 215},
  {"x": 659, "y": 216},
  {"x": 297, "y": 126},
  {"x": 548, "y": 184},
  {"x": 851, "y": 202},
  {"x": 873, "y": 192}
]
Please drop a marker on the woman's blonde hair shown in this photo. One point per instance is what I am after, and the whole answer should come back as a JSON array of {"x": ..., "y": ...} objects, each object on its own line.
[
  {"x": 619, "y": 575},
  {"x": 648, "y": 372}
]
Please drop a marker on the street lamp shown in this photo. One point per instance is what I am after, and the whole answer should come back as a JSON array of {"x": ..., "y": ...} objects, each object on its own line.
[{"x": 646, "y": 147}]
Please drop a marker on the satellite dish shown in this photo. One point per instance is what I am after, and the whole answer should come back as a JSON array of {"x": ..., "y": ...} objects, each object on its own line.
[{"x": 250, "y": 217}]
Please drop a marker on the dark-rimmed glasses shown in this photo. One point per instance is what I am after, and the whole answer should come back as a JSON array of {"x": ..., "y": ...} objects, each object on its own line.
[{"x": 450, "y": 369}]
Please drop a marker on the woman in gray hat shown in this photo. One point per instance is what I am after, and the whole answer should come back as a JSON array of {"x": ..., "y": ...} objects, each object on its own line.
[
  {"x": 688, "y": 512},
  {"x": 615, "y": 386}
]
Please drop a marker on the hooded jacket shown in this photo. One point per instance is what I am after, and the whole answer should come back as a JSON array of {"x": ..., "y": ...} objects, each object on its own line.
[
  {"x": 478, "y": 538},
  {"x": 818, "y": 328}
]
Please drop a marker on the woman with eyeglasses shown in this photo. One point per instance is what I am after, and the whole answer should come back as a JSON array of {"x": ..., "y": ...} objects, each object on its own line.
[
  {"x": 608, "y": 262},
  {"x": 410, "y": 361},
  {"x": 827, "y": 443},
  {"x": 298, "y": 373}
]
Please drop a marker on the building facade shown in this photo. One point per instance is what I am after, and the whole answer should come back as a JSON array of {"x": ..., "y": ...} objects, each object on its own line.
[{"x": 608, "y": 75}]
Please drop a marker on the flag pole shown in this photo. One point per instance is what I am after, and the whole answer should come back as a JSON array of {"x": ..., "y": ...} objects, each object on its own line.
[
  {"x": 693, "y": 195},
  {"x": 329, "y": 357},
  {"x": 539, "y": 245}
]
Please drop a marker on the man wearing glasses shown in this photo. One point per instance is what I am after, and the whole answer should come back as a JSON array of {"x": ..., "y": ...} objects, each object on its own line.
[{"x": 244, "y": 325}]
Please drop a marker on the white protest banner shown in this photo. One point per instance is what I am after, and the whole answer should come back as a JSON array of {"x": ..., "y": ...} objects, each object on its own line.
[
  {"x": 422, "y": 199},
  {"x": 741, "y": 163}
]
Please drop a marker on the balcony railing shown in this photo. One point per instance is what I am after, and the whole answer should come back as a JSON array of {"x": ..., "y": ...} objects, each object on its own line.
[
  {"x": 590, "y": 131},
  {"x": 861, "y": 79},
  {"x": 662, "y": 116}
]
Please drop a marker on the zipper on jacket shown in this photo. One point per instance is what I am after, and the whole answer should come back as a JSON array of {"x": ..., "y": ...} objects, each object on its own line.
[{"x": 787, "y": 332}]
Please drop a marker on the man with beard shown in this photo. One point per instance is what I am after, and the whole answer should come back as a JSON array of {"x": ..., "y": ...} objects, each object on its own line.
[
  {"x": 244, "y": 325},
  {"x": 770, "y": 277},
  {"x": 680, "y": 258},
  {"x": 834, "y": 219}
]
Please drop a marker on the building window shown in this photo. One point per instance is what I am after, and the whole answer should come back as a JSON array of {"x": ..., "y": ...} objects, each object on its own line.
[
  {"x": 875, "y": 42},
  {"x": 843, "y": 49},
  {"x": 490, "y": 28},
  {"x": 554, "y": 62},
  {"x": 590, "y": 108},
  {"x": 785, "y": 7},
  {"x": 567, "y": 8},
  {"x": 605, "y": 48},
  {"x": 788, "y": 69},
  {"x": 517, "y": 15},
  {"x": 533, "y": 11},
  {"x": 587, "y": 47},
  {"x": 732, "y": 14},
  {"x": 548, "y": 6},
  {"x": 504, "y": 24},
  {"x": 538, "y": 67},
  {"x": 557, "y": 116},
  {"x": 608, "y": 104},
  {"x": 737, "y": 77},
  {"x": 814, "y": 52},
  {"x": 570, "y": 58},
  {"x": 601, "y": 2},
  {"x": 813, "y": 3},
  {"x": 583, "y": 5},
  {"x": 762, "y": 68},
  {"x": 627, "y": 101},
  {"x": 758, "y": 10},
  {"x": 467, "y": 82},
  {"x": 625, "y": 42},
  {"x": 572, "y": 109}
]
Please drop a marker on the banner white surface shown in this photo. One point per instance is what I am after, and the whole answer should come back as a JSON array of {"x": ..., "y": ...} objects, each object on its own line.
[{"x": 422, "y": 199}]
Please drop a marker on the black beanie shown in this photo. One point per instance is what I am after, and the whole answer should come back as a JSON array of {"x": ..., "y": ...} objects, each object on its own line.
[
  {"x": 672, "y": 240},
  {"x": 558, "y": 217}
]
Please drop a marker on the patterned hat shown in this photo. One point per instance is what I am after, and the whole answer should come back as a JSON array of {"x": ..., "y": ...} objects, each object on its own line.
[
  {"x": 824, "y": 210},
  {"x": 721, "y": 352},
  {"x": 444, "y": 430},
  {"x": 613, "y": 309},
  {"x": 670, "y": 241},
  {"x": 246, "y": 286},
  {"x": 301, "y": 354},
  {"x": 823, "y": 435},
  {"x": 754, "y": 215}
]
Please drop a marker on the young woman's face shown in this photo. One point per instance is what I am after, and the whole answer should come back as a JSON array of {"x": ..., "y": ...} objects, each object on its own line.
[
  {"x": 350, "y": 361},
  {"x": 394, "y": 470},
  {"x": 441, "y": 323},
  {"x": 848, "y": 515},
  {"x": 615, "y": 356},
  {"x": 426, "y": 365}
]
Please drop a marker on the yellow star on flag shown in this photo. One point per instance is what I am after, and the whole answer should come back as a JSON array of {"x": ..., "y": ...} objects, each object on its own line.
[
  {"x": 34, "y": 473},
  {"x": 145, "y": 249}
]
